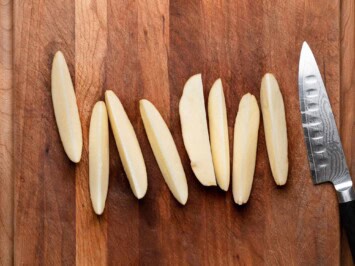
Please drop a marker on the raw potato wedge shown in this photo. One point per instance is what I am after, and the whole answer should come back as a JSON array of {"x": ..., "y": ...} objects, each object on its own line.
[
  {"x": 273, "y": 110},
  {"x": 127, "y": 144},
  {"x": 217, "y": 115},
  {"x": 164, "y": 150},
  {"x": 65, "y": 108},
  {"x": 195, "y": 131},
  {"x": 98, "y": 157},
  {"x": 245, "y": 145}
]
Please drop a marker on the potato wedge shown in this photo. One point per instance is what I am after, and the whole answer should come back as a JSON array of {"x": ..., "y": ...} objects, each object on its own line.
[
  {"x": 273, "y": 110},
  {"x": 66, "y": 109},
  {"x": 128, "y": 145},
  {"x": 195, "y": 131},
  {"x": 217, "y": 115},
  {"x": 245, "y": 145},
  {"x": 164, "y": 150},
  {"x": 98, "y": 157}
]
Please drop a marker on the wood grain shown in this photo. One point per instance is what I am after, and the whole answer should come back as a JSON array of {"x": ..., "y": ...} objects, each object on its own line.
[
  {"x": 155, "y": 228},
  {"x": 271, "y": 241},
  {"x": 122, "y": 78},
  {"x": 44, "y": 178},
  {"x": 347, "y": 110},
  {"x": 90, "y": 67},
  {"x": 6, "y": 135},
  {"x": 148, "y": 49}
]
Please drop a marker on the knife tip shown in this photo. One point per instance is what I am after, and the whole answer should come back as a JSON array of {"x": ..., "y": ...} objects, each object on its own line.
[
  {"x": 306, "y": 52},
  {"x": 305, "y": 45}
]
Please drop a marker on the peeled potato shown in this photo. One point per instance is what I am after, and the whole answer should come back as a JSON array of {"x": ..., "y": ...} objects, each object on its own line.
[
  {"x": 164, "y": 150},
  {"x": 98, "y": 157},
  {"x": 273, "y": 110},
  {"x": 245, "y": 145},
  {"x": 217, "y": 115},
  {"x": 127, "y": 144},
  {"x": 195, "y": 131},
  {"x": 65, "y": 108}
]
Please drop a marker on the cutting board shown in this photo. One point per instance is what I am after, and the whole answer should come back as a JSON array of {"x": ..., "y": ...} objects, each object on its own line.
[{"x": 148, "y": 49}]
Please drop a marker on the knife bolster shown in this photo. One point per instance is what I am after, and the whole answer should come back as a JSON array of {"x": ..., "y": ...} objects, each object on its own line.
[{"x": 345, "y": 193}]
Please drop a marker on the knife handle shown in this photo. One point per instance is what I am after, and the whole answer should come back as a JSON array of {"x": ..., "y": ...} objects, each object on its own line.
[{"x": 347, "y": 218}]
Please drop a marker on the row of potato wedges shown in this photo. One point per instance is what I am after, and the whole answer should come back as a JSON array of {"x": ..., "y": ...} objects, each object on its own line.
[{"x": 208, "y": 150}]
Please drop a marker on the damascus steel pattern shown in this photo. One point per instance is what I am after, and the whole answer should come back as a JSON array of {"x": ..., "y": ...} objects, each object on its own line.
[{"x": 325, "y": 152}]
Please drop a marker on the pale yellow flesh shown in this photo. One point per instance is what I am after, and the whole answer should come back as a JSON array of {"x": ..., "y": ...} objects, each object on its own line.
[
  {"x": 98, "y": 157},
  {"x": 127, "y": 144},
  {"x": 195, "y": 131},
  {"x": 273, "y": 110},
  {"x": 245, "y": 145},
  {"x": 217, "y": 115},
  {"x": 66, "y": 109},
  {"x": 164, "y": 150}
]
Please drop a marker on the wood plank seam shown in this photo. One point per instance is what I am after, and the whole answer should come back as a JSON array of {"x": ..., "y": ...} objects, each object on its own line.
[
  {"x": 6, "y": 134},
  {"x": 347, "y": 89},
  {"x": 90, "y": 71}
]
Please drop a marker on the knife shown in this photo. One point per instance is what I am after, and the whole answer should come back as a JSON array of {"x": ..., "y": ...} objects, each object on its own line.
[{"x": 325, "y": 153}]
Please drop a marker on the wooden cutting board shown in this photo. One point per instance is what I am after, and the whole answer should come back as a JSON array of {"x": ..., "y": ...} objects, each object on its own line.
[{"x": 148, "y": 49}]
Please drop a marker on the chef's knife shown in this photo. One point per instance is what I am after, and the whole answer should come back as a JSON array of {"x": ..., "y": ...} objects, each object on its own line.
[{"x": 325, "y": 153}]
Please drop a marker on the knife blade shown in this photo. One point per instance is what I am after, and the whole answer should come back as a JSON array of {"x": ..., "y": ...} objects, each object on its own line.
[{"x": 325, "y": 153}]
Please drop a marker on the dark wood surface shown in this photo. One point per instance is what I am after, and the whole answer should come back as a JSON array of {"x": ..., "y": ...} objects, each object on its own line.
[
  {"x": 148, "y": 49},
  {"x": 347, "y": 104}
]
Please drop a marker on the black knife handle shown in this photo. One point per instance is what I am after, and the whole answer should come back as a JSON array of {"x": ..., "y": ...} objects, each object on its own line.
[{"x": 347, "y": 218}]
